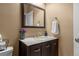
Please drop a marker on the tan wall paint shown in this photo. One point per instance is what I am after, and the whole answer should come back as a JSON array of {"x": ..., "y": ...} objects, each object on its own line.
[
  {"x": 10, "y": 24},
  {"x": 64, "y": 12},
  {"x": 42, "y": 5}
]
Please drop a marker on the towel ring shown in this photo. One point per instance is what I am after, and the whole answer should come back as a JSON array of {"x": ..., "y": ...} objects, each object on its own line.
[{"x": 55, "y": 18}]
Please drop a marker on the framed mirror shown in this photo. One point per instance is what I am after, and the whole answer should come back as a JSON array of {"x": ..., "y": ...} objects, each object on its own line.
[{"x": 32, "y": 16}]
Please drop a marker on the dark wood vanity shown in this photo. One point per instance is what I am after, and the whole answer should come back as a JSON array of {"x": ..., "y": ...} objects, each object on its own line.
[{"x": 48, "y": 48}]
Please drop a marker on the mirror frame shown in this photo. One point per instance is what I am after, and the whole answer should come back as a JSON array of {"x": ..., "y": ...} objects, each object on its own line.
[{"x": 22, "y": 16}]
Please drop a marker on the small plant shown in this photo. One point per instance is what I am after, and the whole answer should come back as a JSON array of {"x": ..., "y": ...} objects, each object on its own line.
[{"x": 23, "y": 30}]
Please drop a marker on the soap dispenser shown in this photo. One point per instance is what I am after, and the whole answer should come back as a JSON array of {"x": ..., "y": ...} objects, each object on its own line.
[{"x": 46, "y": 33}]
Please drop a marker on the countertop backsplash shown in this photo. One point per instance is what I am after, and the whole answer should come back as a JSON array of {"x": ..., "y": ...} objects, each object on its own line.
[{"x": 33, "y": 32}]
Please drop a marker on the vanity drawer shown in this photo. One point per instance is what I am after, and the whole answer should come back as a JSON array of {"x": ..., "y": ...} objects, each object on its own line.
[{"x": 35, "y": 50}]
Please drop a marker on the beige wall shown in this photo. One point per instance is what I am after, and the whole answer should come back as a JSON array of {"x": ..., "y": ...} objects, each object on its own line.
[
  {"x": 64, "y": 12},
  {"x": 42, "y": 5},
  {"x": 10, "y": 24}
]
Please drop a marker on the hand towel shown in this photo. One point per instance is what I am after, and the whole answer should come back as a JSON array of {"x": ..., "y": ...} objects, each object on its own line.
[{"x": 55, "y": 27}]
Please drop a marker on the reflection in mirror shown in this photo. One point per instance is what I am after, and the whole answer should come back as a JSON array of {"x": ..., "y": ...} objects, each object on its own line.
[{"x": 33, "y": 16}]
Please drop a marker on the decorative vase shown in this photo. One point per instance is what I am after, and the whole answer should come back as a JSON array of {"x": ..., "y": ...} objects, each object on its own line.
[{"x": 22, "y": 35}]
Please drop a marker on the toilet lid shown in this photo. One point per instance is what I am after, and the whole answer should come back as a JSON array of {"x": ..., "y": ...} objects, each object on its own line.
[{"x": 7, "y": 49}]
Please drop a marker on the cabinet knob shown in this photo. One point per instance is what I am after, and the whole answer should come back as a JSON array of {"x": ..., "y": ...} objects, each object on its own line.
[{"x": 37, "y": 50}]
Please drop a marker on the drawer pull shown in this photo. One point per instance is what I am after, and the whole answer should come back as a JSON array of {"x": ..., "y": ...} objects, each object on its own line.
[
  {"x": 47, "y": 46},
  {"x": 37, "y": 50},
  {"x": 54, "y": 44}
]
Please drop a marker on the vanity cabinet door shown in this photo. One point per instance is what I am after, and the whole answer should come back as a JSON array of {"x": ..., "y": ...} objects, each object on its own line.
[
  {"x": 54, "y": 48},
  {"x": 46, "y": 49},
  {"x": 36, "y": 50},
  {"x": 22, "y": 49}
]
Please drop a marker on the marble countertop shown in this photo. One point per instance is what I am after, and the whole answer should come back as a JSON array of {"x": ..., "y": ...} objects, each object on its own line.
[{"x": 35, "y": 40}]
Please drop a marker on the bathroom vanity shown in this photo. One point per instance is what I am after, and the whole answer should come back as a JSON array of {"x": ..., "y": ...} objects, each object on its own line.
[
  {"x": 42, "y": 46},
  {"x": 34, "y": 17}
]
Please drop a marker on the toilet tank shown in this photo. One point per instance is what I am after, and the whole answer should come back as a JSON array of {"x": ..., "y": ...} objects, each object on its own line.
[{"x": 7, "y": 52}]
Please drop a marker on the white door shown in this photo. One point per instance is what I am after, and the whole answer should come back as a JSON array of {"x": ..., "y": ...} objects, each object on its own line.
[{"x": 76, "y": 28}]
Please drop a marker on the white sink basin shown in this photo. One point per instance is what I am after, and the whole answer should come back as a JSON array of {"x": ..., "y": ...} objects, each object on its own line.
[
  {"x": 29, "y": 41},
  {"x": 36, "y": 40}
]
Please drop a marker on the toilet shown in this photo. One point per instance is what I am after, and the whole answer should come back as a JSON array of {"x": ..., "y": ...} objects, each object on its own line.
[{"x": 7, "y": 52}]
